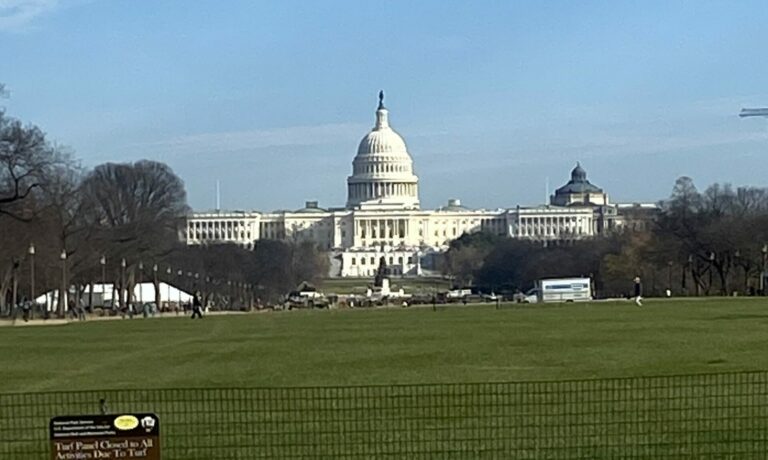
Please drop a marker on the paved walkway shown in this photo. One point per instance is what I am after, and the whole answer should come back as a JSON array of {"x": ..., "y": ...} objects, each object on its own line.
[{"x": 19, "y": 322}]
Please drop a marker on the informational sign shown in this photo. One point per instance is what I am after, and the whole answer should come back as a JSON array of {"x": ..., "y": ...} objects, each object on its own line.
[{"x": 90, "y": 437}]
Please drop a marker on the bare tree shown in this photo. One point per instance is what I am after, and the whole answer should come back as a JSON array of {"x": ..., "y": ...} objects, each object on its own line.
[
  {"x": 62, "y": 217},
  {"x": 137, "y": 211},
  {"x": 26, "y": 158}
]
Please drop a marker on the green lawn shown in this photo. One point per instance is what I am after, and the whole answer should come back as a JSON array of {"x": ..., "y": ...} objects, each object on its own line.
[
  {"x": 343, "y": 363},
  {"x": 385, "y": 346}
]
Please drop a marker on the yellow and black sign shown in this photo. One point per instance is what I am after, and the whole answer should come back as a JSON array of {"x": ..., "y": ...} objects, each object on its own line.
[{"x": 121, "y": 436}]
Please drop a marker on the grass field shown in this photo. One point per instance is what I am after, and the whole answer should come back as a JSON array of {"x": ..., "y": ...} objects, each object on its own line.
[
  {"x": 329, "y": 354},
  {"x": 385, "y": 346}
]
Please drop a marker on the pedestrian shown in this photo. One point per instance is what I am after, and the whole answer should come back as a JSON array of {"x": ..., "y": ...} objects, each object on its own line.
[
  {"x": 26, "y": 306},
  {"x": 196, "y": 306},
  {"x": 72, "y": 308},
  {"x": 638, "y": 291}
]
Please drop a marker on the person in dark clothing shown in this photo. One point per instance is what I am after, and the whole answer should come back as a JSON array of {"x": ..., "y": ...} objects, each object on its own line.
[
  {"x": 26, "y": 306},
  {"x": 197, "y": 308},
  {"x": 638, "y": 291}
]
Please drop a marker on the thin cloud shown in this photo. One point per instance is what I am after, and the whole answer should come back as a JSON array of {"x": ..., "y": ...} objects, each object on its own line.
[
  {"x": 17, "y": 14},
  {"x": 236, "y": 141}
]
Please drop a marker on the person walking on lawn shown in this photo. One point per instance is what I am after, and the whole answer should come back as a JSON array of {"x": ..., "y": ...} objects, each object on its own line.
[{"x": 638, "y": 291}]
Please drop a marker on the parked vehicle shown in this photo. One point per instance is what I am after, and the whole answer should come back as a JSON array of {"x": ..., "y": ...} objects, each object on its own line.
[
  {"x": 458, "y": 293},
  {"x": 305, "y": 299},
  {"x": 560, "y": 290}
]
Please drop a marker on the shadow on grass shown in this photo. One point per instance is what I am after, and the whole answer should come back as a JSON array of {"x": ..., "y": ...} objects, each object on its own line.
[{"x": 737, "y": 316}]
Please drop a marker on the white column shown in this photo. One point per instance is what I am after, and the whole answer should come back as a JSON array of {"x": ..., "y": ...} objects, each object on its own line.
[{"x": 407, "y": 228}]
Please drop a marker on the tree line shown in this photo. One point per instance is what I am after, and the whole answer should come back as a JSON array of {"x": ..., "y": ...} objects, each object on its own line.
[
  {"x": 701, "y": 243},
  {"x": 65, "y": 227}
]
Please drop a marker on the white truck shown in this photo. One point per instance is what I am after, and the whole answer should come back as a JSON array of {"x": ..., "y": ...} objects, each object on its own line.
[{"x": 560, "y": 290}]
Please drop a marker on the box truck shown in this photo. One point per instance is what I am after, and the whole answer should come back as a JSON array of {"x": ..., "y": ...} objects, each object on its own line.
[{"x": 560, "y": 290}]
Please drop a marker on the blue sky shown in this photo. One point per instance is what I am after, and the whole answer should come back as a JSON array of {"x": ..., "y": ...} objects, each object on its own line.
[{"x": 492, "y": 98}]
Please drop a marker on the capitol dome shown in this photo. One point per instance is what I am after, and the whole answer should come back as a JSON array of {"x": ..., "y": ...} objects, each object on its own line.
[
  {"x": 382, "y": 139},
  {"x": 382, "y": 171}
]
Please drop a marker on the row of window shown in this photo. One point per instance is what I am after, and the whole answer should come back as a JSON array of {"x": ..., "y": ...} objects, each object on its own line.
[
  {"x": 218, "y": 235},
  {"x": 375, "y": 261},
  {"x": 381, "y": 168},
  {"x": 550, "y": 220},
  {"x": 216, "y": 224},
  {"x": 550, "y": 230}
]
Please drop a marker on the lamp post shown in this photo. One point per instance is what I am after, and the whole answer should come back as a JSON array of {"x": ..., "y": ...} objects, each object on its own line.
[
  {"x": 197, "y": 286},
  {"x": 31, "y": 252},
  {"x": 141, "y": 288},
  {"x": 157, "y": 292},
  {"x": 63, "y": 293},
  {"x": 179, "y": 274},
  {"x": 711, "y": 266},
  {"x": 229, "y": 294},
  {"x": 103, "y": 263},
  {"x": 206, "y": 286},
  {"x": 764, "y": 252},
  {"x": 122, "y": 284},
  {"x": 168, "y": 272},
  {"x": 15, "y": 287}
]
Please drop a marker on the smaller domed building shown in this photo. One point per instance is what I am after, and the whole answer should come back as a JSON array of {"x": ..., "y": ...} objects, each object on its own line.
[{"x": 579, "y": 191}]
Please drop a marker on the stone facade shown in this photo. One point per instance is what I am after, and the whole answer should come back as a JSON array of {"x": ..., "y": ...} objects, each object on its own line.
[{"x": 382, "y": 217}]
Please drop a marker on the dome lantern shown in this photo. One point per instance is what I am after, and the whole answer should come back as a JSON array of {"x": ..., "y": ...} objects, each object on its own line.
[{"x": 578, "y": 174}]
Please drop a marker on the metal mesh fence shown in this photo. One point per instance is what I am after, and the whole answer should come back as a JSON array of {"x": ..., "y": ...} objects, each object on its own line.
[{"x": 690, "y": 416}]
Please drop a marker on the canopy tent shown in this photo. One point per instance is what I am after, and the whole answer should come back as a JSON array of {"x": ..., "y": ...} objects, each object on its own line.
[{"x": 105, "y": 295}]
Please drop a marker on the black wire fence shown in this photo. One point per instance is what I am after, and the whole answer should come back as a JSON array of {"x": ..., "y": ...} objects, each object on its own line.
[{"x": 689, "y": 416}]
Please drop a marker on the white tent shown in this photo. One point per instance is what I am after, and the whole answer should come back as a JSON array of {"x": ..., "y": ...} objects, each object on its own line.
[{"x": 105, "y": 294}]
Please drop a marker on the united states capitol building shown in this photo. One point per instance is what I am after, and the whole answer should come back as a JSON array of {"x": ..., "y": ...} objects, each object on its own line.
[{"x": 383, "y": 216}]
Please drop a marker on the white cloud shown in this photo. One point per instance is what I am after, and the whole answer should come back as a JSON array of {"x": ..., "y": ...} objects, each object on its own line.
[{"x": 18, "y": 15}]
